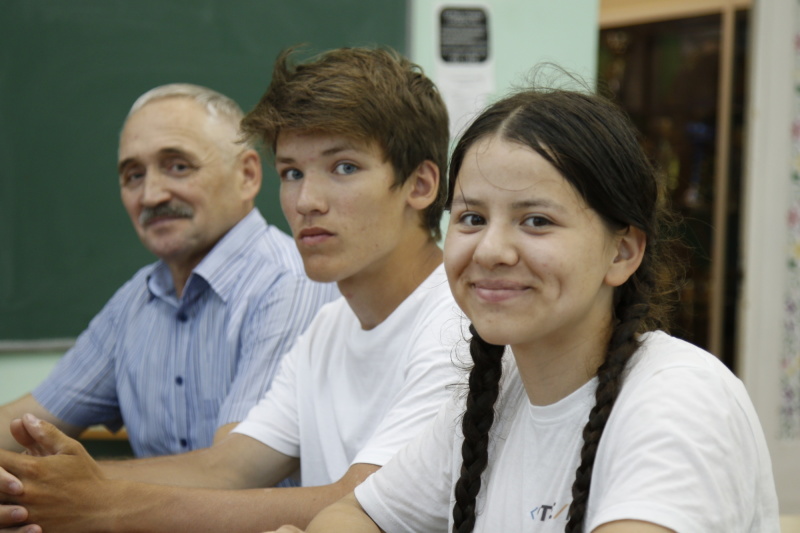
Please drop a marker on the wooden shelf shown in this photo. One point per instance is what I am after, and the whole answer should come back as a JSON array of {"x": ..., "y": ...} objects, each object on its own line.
[{"x": 615, "y": 13}]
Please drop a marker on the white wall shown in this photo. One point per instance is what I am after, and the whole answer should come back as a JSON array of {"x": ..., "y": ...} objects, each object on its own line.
[
  {"x": 767, "y": 195},
  {"x": 522, "y": 33},
  {"x": 21, "y": 372}
]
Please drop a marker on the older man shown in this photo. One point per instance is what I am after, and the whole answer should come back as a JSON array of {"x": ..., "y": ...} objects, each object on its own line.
[{"x": 186, "y": 347}]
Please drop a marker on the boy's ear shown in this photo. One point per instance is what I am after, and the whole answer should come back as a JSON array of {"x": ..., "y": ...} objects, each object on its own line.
[
  {"x": 630, "y": 250},
  {"x": 423, "y": 185}
]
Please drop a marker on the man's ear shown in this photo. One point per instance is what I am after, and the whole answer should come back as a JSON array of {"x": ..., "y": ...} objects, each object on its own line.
[
  {"x": 423, "y": 185},
  {"x": 630, "y": 247},
  {"x": 249, "y": 166}
]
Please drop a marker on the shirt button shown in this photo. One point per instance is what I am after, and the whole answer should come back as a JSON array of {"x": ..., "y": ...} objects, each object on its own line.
[
  {"x": 184, "y": 443},
  {"x": 182, "y": 316},
  {"x": 179, "y": 380}
]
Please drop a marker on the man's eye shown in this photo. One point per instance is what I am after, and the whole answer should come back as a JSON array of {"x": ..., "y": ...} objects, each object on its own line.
[
  {"x": 178, "y": 167},
  {"x": 130, "y": 177}
]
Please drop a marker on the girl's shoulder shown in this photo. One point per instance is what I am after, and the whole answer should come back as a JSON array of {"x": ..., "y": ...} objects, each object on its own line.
[{"x": 660, "y": 352}]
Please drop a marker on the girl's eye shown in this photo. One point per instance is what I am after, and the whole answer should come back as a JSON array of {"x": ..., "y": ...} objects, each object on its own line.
[
  {"x": 345, "y": 168},
  {"x": 471, "y": 219},
  {"x": 536, "y": 221},
  {"x": 291, "y": 174}
]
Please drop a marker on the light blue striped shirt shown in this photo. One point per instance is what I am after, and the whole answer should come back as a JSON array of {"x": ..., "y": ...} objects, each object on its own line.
[{"x": 173, "y": 370}]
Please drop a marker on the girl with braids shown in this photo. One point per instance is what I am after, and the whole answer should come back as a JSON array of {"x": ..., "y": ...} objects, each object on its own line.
[{"x": 582, "y": 414}]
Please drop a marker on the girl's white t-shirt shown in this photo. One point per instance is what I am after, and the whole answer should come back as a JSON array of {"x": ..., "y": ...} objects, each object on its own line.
[{"x": 683, "y": 448}]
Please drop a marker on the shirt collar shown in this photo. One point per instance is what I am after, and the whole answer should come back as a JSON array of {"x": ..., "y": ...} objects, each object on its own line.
[{"x": 218, "y": 268}]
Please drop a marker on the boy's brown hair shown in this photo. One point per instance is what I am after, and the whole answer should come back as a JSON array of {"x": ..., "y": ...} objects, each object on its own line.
[{"x": 367, "y": 95}]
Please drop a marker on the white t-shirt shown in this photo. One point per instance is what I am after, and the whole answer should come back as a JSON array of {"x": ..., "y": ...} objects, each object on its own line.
[
  {"x": 345, "y": 395},
  {"x": 682, "y": 448}
]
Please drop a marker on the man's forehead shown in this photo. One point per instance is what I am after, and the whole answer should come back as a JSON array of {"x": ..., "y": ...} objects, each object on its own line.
[
  {"x": 175, "y": 125},
  {"x": 126, "y": 159},
  {"x": 181, "y": 111},
  {"x": 178, "y": 105}
]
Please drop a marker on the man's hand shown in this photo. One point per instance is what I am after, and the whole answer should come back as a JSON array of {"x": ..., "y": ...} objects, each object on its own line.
[
  {"x": 21, "y": 434},
  {"x": 14, "y": 515},
  {"x": 56, "y": 479},
  {"x": 11, "y": 515},
  {"x": 10, "y": 486}
]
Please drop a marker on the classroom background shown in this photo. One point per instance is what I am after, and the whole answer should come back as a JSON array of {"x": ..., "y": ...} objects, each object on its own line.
[{"x": 712, "y": 84}]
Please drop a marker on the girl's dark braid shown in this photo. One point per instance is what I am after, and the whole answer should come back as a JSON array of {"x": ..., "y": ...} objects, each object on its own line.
[
  {"x": 484, "y": 387},
  {"x": 632, "y": 311}
]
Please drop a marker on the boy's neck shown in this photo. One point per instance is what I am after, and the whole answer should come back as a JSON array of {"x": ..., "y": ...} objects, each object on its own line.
[{"x": 374, "y": 297}]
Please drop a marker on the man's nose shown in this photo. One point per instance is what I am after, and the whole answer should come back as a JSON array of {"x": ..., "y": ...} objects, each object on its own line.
[{"x": 155, "y": 189}]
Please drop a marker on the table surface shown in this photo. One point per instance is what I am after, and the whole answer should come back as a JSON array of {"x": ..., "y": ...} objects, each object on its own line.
[{"x": 102, "y": 433}]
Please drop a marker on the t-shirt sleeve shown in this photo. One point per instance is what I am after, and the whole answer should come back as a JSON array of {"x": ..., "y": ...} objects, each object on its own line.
[
  {"x": 678, "y": 450},
  {"x": 432, "y": 370},
  {"x": 286, "y": 309},
  {"x": 412, "y": 492}
]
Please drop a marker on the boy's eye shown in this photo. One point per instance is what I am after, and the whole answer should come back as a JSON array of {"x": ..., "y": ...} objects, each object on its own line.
[
  {"x": 291, "y": 174},
  {"x": 345, "y": 168}
]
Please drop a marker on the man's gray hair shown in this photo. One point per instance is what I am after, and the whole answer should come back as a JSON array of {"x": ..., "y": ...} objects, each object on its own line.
[{"x": 217, "y": 104}]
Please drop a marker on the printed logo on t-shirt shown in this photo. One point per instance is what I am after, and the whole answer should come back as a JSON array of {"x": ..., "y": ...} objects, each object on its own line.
[{"x": 546, "y": 512}]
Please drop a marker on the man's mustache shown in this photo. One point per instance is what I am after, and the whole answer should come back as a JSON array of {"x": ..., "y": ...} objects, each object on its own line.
[{"x": 175, "y": 209}]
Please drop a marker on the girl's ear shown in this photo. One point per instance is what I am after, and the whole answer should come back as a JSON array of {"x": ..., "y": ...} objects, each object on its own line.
[
  {"x": 424, "y": 185},
  {"x": 630, "y": 250}
]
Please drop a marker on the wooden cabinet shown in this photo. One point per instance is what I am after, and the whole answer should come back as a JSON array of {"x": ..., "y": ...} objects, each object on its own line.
[{"x": 679, "y": 71}]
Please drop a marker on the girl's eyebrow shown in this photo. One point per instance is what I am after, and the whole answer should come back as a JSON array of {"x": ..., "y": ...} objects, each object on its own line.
[{"x": 539, "y": 202}]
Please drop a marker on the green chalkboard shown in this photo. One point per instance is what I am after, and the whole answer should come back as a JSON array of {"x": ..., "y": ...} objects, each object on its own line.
[{"x": 69, "y": 71}]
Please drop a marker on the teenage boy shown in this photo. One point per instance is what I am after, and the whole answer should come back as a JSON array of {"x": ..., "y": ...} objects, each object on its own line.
[{"x": 360, "y": 142}]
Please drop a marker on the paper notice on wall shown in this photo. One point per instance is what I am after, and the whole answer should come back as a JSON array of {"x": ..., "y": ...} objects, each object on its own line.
[{"x": 464, "y": 63}]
